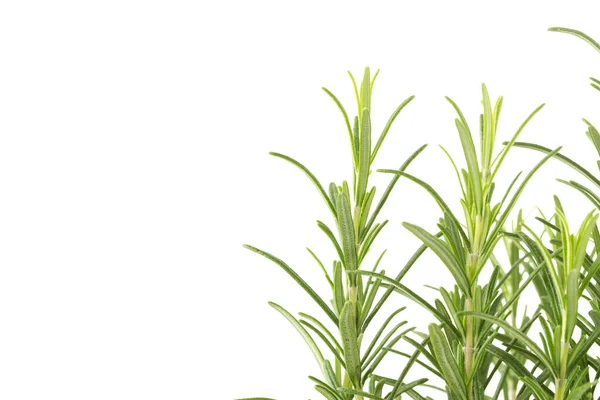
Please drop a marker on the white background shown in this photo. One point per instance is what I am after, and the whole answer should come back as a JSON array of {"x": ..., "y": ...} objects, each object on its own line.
[{"x": 133, "y": 166}]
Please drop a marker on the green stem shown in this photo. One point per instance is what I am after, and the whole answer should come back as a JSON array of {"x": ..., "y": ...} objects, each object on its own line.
[
  {"x": 469, "y": 350},
  {"x": 561, "y": 387},
  {"x": 561, "y": 380},
  {"x": 352, "y": 295}
]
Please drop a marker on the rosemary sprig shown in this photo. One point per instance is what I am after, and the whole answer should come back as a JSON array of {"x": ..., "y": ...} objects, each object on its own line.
[{"x": 346, "y": 365}]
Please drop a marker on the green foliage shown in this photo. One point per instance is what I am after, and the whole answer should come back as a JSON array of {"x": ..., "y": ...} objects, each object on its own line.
[{"x": 486, "y": 342}]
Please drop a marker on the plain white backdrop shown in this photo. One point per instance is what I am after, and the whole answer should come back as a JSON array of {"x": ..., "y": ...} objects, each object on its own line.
[{"x": 134, "y": 165}]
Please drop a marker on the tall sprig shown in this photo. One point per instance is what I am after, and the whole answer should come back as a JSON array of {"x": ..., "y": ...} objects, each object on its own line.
[
  {"x": 347, "y": 364},
  {"x": 459, "y": 349}
]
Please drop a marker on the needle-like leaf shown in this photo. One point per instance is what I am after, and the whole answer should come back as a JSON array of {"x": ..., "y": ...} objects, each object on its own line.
[
  {"x": 299, "y": 280},
  {"x": 443, "y": 252},
  {"x": 387, "y": 127},
  {"x": 345, "y": 115},
  {"x": 311, "y": 176},
  {"x": 349, "y": 342},
  {"x": 448, "y": 366},
  {"x": 577, "y": 33},
  {"x": 305, "y": 335}
]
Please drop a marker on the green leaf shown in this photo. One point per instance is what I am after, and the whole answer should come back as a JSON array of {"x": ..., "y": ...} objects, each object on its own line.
[
  {"x": 577, "y": 33},
  {"x": 369, "y": 240},
  {"x": 390, "y": 187},
  {"x": 407, "y": 387},
  {"x": 487, "y": 142},
  {"x": 517, "y": 292},
  {"x": 319, "y": 324},
  {"x": 331, "y": 377},
  {"x": 356, "y": 94},
  {"x": 442, "y": 250},
  {"x": 305, "y": 335},
  {"x": 554, "y": 288},
  {"x": 582, "y": 350},
  {"x": 448, "y": 366},
  {"x": 381, "y": 330},
  {"x": 311, "y": 176},
  {"x": 420, "y": 347},
  {"x": 321, "y": 266},
  {"x": 345, "y": 115},
  {"x": 387, "y": 127},
  {"x": 571, "y": 163},
  {"x": 379, "y": 354},
  {"x": 546, "y": 284},
  {"x": 346, "y": 227},
  {"x": 421, "y": 363},
  {"x": 462, "y": 188},
  {"x": 298, "y": 280},
  {"x": 591, "y": 196},
  {"x": 593, "y": 269},
  {"x": 389, "y": 291},
  {"x": 452, "y": 311},
  {"x": 365, "y": 88},
  {"x": 460, "y": 114},
  {"x": 349, "y": 342},
  {"x": 370, "y": 298},
  {"x": 336, "y": 352},
  {"x": 366, "y": 360},
  {"x": 338, "y": 287},
  {"x": 408, "y": 365},
  {"x": 594, "y": 136},
  {"x": 471, "y": 158},
  {"x": 496, "y": 113},
  {"x": 373, "y": 80},
  {"x": 583, "y": 238},
  {"x": 364, "y": 212},
  {"x": 364, "y": 156},
  {"x": 512, "y": 141},
  {"x": 327, "y": 392},
  {"x": 580, "y": 391},
  {"x": 519, "y": 369},
  {"x": 531, "y": 384},
  {"x": 356, "y": 138},
  {"x": 331, "y": 237}
]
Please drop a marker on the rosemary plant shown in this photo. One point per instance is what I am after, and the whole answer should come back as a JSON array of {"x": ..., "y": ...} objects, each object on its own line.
[
  {"x": 482, "y": 337},
  {"x": 345, "y": 362}
]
